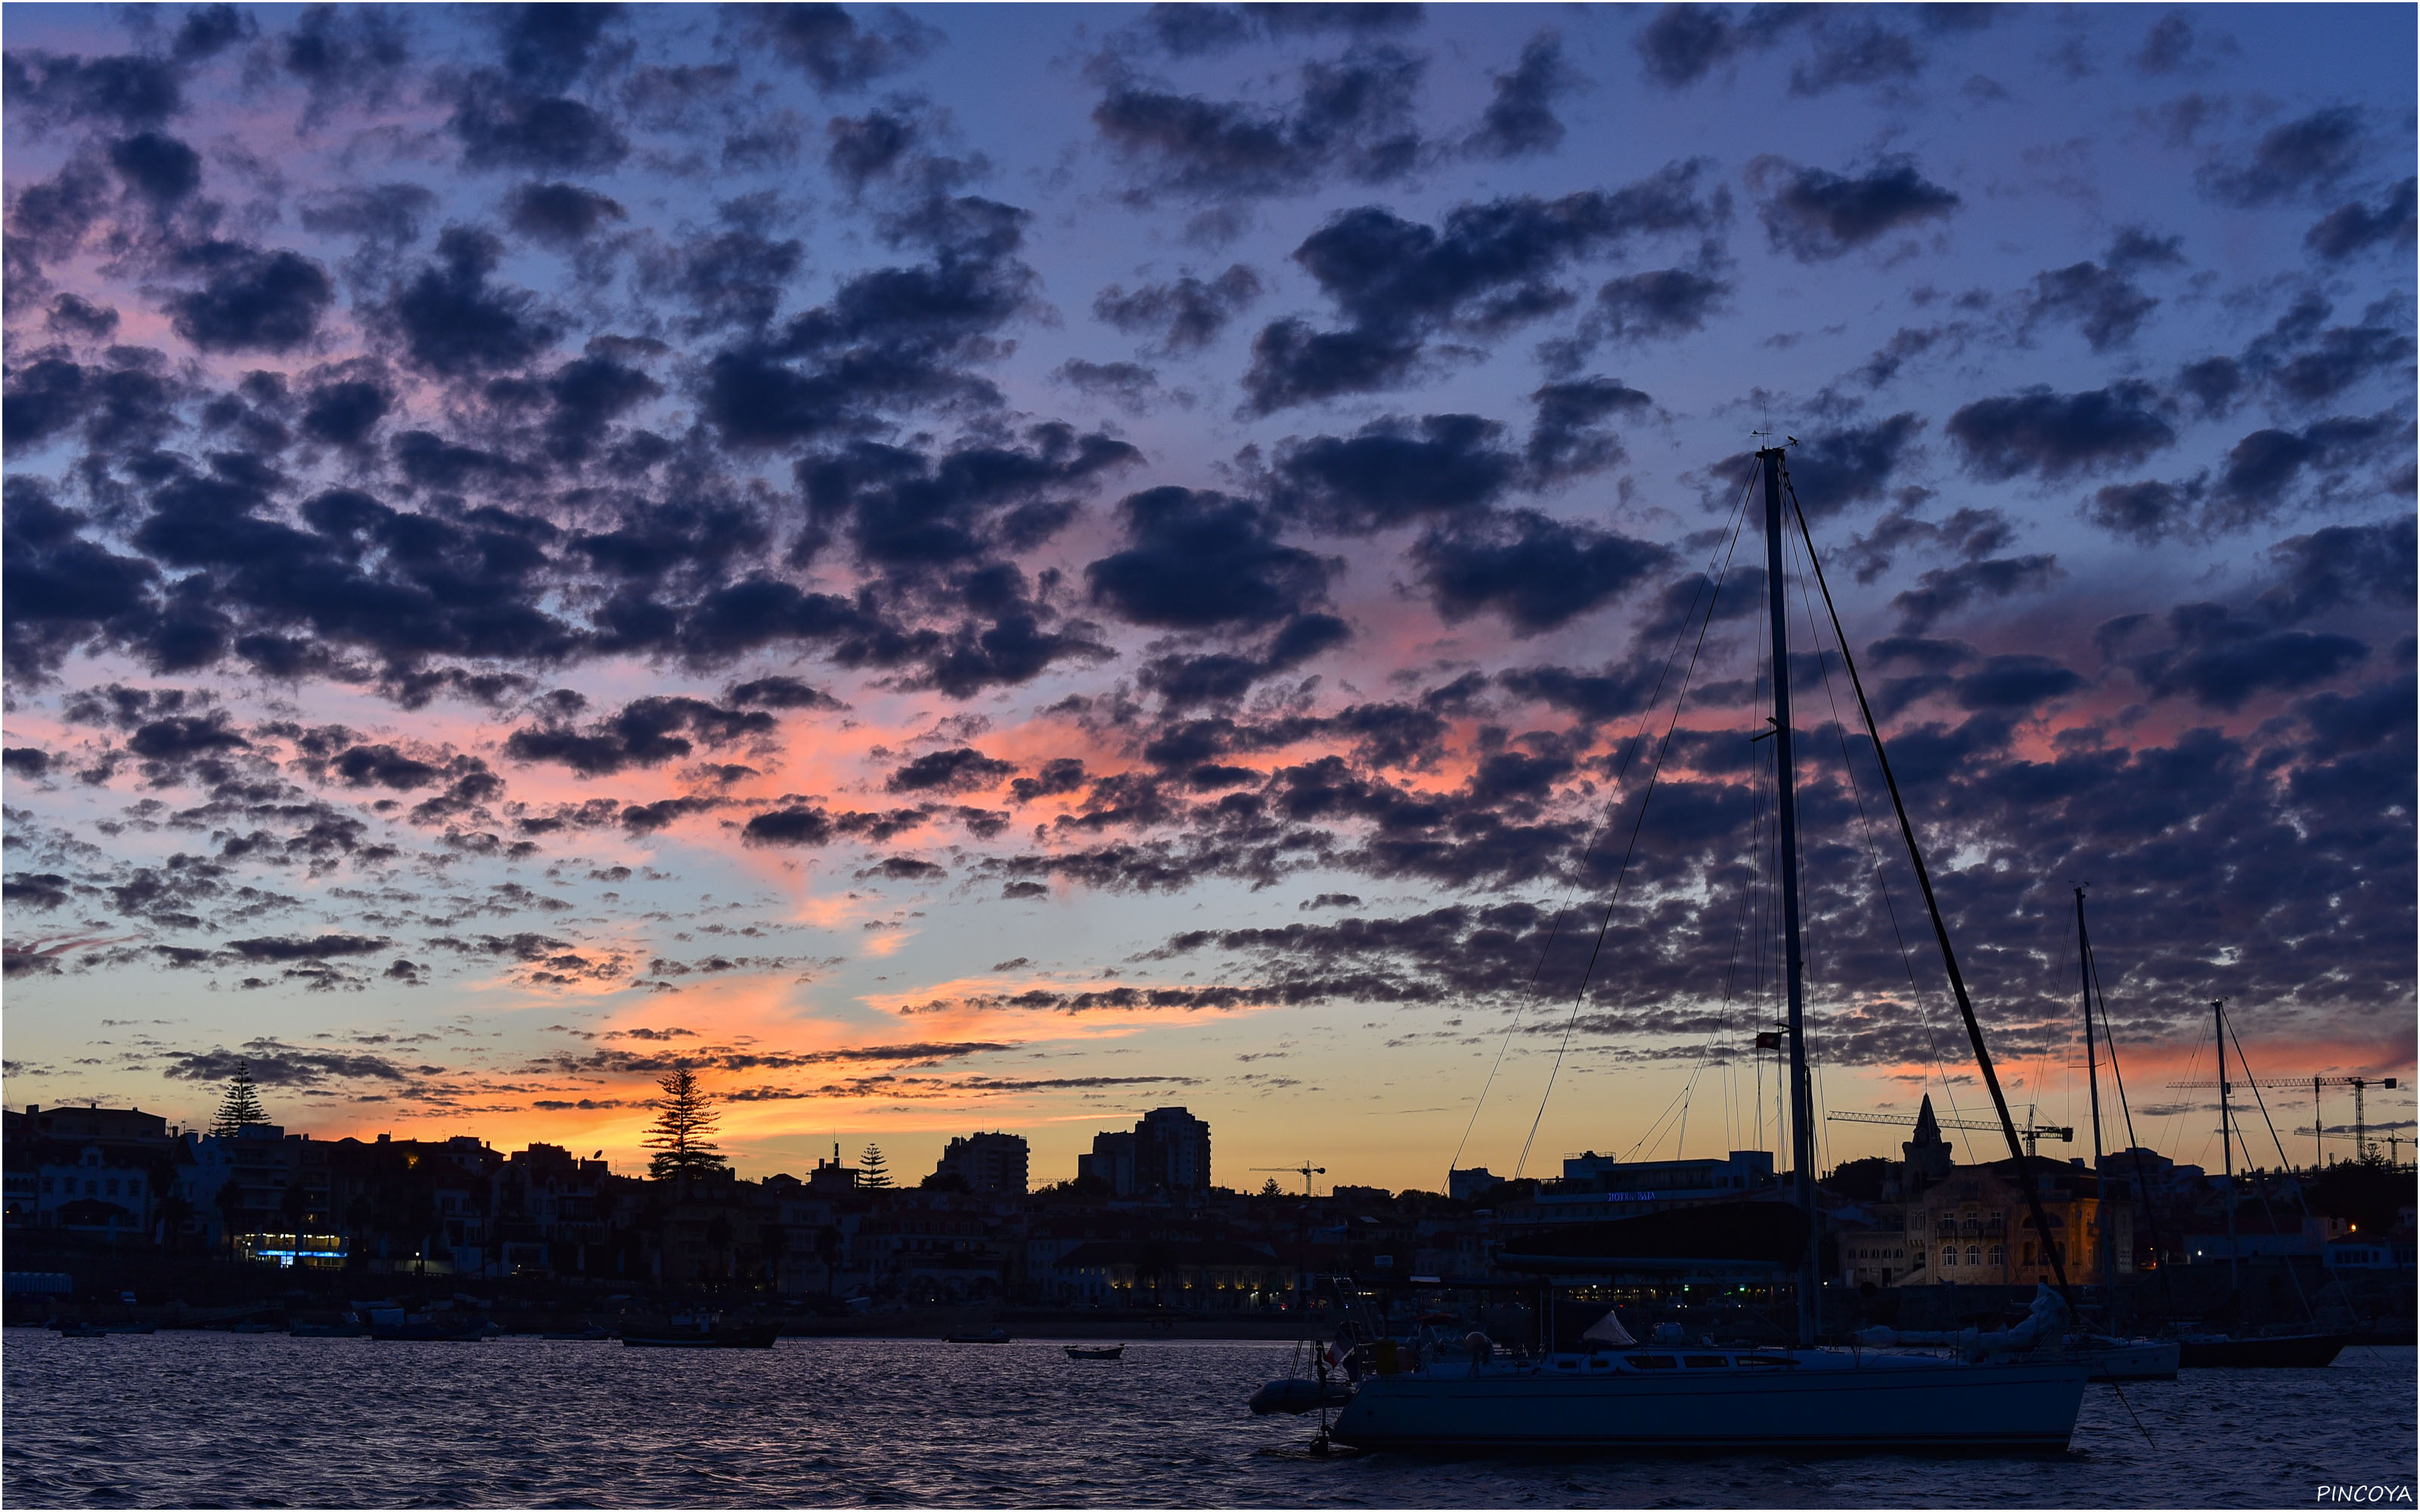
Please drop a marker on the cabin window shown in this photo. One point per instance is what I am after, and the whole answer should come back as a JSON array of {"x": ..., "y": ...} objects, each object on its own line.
[
  {"x": 1567, "y": 1365},
  {"x": 1652, "y": 1362},
  {"x": 1601, "y": 1363},
  {"x": 1704, "y": 1361},
  {"x": 1761, "y": 1359}
]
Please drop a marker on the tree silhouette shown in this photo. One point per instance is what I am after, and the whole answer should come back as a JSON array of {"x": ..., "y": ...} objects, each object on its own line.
[
  {"x": 828, "y": 1250},
  {"x": 241, "y": 1106},
  {"x": 679, "y": 1136},
  {"x": 872, "y": 1171},
  {"x": 231, "y": 1210}
]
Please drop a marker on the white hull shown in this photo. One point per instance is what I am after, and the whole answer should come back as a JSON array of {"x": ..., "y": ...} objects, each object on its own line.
[{"x": 1824, "y": 1399}]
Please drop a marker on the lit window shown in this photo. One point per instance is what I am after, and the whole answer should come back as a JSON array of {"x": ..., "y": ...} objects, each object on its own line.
[
  {"x": 1949, "y": 1254},
  {"x": 1999, "y": 1255},
  {"x": 1974, "y": 1255}
]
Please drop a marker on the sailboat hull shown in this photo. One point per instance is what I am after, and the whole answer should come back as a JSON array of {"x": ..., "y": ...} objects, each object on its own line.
[{"x": 1825, "y": 1402}]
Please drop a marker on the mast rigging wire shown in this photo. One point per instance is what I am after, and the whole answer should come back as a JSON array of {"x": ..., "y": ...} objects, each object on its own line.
[
  {"x": 1630, "y": 755},
  {"x": 1933, "y": 904},
  {"x": 1655, "y": 773}
]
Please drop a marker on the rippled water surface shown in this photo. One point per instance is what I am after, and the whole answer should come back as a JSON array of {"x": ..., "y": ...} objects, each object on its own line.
[{"x": 184, "y": 1419}]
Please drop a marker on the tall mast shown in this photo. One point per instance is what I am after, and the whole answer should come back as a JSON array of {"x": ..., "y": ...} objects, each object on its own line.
[
  {"x": 2226, "y": 1139},
  {"x": 1802, "y": 1127},
  {"x": 2092, "y": 1080}
]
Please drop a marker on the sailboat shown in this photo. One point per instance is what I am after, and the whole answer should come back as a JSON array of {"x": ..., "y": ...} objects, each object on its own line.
[
  {"x": 2306, "y": 1349},
  {"x": 2111, "y": 1358},
  {"x": 1676, "y": 1396}
]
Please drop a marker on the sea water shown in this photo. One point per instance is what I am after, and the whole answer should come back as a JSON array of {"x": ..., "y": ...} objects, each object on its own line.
[{"x": 190, "y": 1419}]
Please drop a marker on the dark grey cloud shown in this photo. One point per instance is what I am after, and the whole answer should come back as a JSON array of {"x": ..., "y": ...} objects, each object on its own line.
[
  {"x": 2310, "y": 152},
  {"x": 646, "y": 732},
  {"x": 840, "y": 54},
  {"x": 1568, "y": 438},
  {"x": 1186, "y": 314},
  {"x": 157, "y": 165},
  {"x": 2103, "y": 302},
  {"x": 1487, "y": 269},
  {"x": 561, "y": 214},
  {"x": 1536, "y": 573},
  {"x": 897, "y": 338},
  {"x": 252, "y": 299},
  {"x": 274, "y": 1064},
  {"x": 124, "y": 90},
  {"x": 1685, "y": 43},
  {"x": 1856, "y": 54},
  {"x": 500, "y": 124},
  {"x": 1816, "y": 215},
  {"x": 1353, "y": 117},
  {"x": 1520, "y": 121},
  {"x": 1199, "y": 560},
  {"x": 455, "y": 322},
  {"x": 346, "y": 55},
  {"x": 961, "y": 769},
  {"x": 1392, "y": 472},
  {"x": 1944, "y": 591},
  {"x": 1187, "y": 30},
  {"x": 2354, "y": 228},
  {"x": 2040, "y": 432},
  {"x": 2221, "y": 659}
]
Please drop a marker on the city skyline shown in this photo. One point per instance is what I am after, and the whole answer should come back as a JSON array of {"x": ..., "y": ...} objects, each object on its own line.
[{"x": 999, "y": 568}]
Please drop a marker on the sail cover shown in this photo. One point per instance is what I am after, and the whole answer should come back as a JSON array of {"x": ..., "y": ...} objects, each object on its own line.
[{"x": 1608, "y": 1330}]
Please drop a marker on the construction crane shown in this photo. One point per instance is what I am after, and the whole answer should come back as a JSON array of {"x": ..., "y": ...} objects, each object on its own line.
[
  {"x": 2360, "y": 1085},
  {"x": 2032, "y": 1135},
  {"x": 1306, "y": 1170}
]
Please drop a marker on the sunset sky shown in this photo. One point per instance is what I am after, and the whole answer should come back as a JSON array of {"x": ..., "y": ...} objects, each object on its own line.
[{"x": 999, "y": 567}]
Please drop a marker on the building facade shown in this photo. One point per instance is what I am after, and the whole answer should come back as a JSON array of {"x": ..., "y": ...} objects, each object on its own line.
[{"x": 986, "y": 1161}]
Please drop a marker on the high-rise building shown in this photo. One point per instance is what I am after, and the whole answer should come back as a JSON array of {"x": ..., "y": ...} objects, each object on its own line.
[
  {"x": 1174, "y": 1152},
  {"x": 1111, "y": 1162},
  {"x": 986, "y": 1161},
  {"x": 1169, "y": 1150}
]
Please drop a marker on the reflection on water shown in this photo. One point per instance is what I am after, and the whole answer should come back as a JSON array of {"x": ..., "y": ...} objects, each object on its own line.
[{"x": 208, "y": 1419}]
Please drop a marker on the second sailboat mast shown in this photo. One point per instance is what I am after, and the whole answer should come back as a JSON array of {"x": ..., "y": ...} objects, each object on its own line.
[{"x": 1802, "y": 1127}]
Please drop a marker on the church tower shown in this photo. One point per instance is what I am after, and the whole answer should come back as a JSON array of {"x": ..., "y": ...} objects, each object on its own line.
[{"x": 1927, "y": 1154}]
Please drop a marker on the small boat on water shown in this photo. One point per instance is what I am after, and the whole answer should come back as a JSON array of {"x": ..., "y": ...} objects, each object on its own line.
[
  {"x": 1109, "y": 1352},
  {"x": 2116, "y": 1359},
  {"x": 2284, "y": 1352},
  {"x": 82, "y": 1331},
  {"x": 404, "y": 1326},
  {"x": 997, "y": 1336},
  {"x": 700, "y": 1331}
]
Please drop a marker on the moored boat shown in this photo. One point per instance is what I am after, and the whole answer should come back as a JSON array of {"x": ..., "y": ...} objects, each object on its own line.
[
  {"x": 997, "y": 1336},
  {"x": 2115, "y": 1359},
  {"x": 2284, "y": 1352},
  {"x": 403, "y": 1326},
  {"x": 2023, "y": 1395},
  {"x": 1701, "y": 1398},
  {"x": 700, "y": 1331},
  {"x": 1107, "y": 1352}
]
